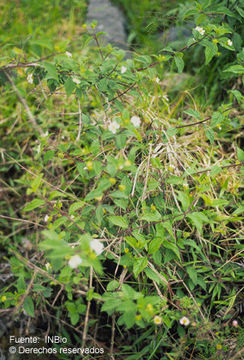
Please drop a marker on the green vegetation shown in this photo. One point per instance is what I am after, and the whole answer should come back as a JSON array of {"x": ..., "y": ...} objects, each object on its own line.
[{"x": 122, "y": 182}]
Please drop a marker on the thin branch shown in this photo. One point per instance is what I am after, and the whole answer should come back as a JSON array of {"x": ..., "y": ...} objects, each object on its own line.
[
  {"x": 84, "y": 335},
  {"x": 24, "y": 103},
  {"x": 80, "y": 122}
]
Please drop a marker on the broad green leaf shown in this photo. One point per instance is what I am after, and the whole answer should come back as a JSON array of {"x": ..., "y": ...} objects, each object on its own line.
[
  {"x": 192, "y": 274},
  {"x": 152, "y": 275},
  {"x": 211, "y": 50},
  {"x": 29, "y": 306},
  {"x": 139, "y": 265},
  {"x": 155, "y": 245},
  {"x": 151, "y": 216},
  {"x": 236, "y": 69},
  {"x": 240, "y": 154},
  {"x": 36, "y": 203},
  {"x": 179, "y": 62},
  {"x": 119, "y": 221},
  {"x": 69, "y": 86},
  {"x": 184, "y": 199},
  {"x": 112, "y": 285},
  {"x": 76, "y": 206},
  {"x": 194, "y": 113},
  {"x": 51, "y": 71}
]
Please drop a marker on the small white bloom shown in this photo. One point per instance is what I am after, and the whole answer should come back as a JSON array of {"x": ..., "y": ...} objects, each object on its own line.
[
  {"x": 157, "y": 320},
  {"x": 184, "y": 321},
  {"x": 235, "y": 323},
  {"x": 30, "y": 78},
  {"x": 38, "y": 149},
  {"x": 157, "y": 80},
  {"x": 113, "y": 126},
  {"x": 229, "y": 42},
  {"x": 45, "y": 134},
  {"x": 67, "y": 53},
  {"x": 165, "y": 97},
  {"x": 200, "y": 30},
  {"x": 136, "y": 121},
  {"x": 46, "y": 218},
  {"x": 76, "y": 81},
  {"x": 48, "y": 266},
  {"x": 123, "y": 69},
  {"x": 97, "y": 246},
  {"x": 75, "y": 261},
  {"x": 72, "y": 216}
]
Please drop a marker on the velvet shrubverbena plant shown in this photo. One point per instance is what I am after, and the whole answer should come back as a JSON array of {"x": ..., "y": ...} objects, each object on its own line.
[{"x": 132, "y": 200}]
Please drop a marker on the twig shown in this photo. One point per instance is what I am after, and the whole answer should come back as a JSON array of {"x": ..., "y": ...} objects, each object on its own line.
[
  {"x": 147, "y": 173},
  {"x": 84, "y": 335},
  {"x": 26, "y": 293},
  {"x": 24, "y": 103},
  {"x": 80, "y": 122},
  {"x": 112, "y": 338},
  {"x": 20, "y": 220}
]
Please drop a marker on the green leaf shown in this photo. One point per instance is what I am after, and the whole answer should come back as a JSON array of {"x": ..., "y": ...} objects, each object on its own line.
[
  {"x": 69, "y": 86},
  {"x": 210, "y": 135},
  {"x": 152, "y": 275},
  {"x": 240, "y": 154},
  {"x": 119, "y": 221},
  {"x": 29, "y": 306},
  {"x": 76, "y": 206},
  {"x": 155, "y": 245},
  {"x": 184, "y": 199},
  {"x": 236, "y": 69},
  {"x": 193, "y": 113},
  {"x": 139, "y": 265},
  {"x": 179, "y": 62},
  {"x": 211, "y": 50},
  {"x": 51, "y": 71},
  {"x": 36, "y": 203},
  {"x": 151, "y": 216},
  {"x": 112, "y": 285},
  {"x": 192, "y": 274}
]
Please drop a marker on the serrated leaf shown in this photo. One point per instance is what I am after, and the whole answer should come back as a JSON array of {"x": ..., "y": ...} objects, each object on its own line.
[
  {"x": 112, "y": 285},
  {"x": 210, "y": 51},
  {"x": 151, "y": 216},
  {"x": 76, "y": 206},
  {"x": 29, "y": 306},
  {"x": 155, "y": 245},
  {"x": 36, "y": 203},
  {"x": 139, "y": 265},
  {"x": 240, "y": 154},
  {"x": 193, "y": 113},
  {"x": 179, "y": 62},
  {"x": 51, "y": 71},
  {"x": 192, "y": 274},
  {"x": 236, "y": 69},
  {"x": 69, "y": 86},
  {"x": 152, "y": 275},
  {"x": 119, "y": 221}
]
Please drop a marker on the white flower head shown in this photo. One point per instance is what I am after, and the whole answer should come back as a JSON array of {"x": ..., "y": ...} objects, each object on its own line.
[
  {"x": 46, "y": 218},
  {"x": 157, "y": 320},
  {"x": 157, "y": 80},
  {"x": 30, "y": 78},
  {"x": 123, "y": 69},
  {"x": 97, "y": 246},
  {"x": 200, "y": 30},
  {"x": 75, "y": 261},
  {"x": 136, "y": 121},
  {"x": 229, "y": 42},
  {"x": 184, "y": 321},
  {"x": 38, "y": 149},
  {"x": 75, "y": 80},
  {"x": 45, "y": 134},
  {"x": 67, "y": 53},
  {"x": 235, "y": 323},
  {"x": 48, "y": 265},
  {"x": 113, "y": 126}
]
